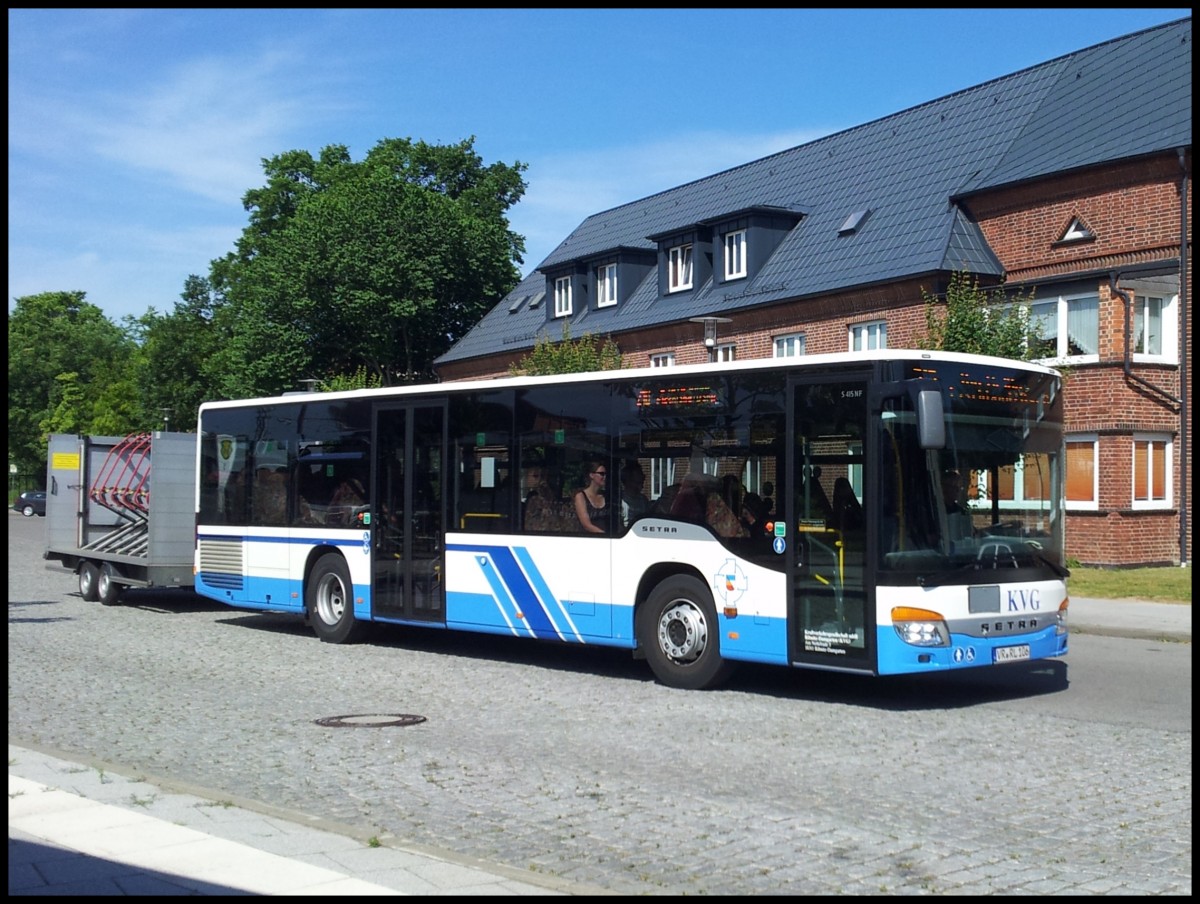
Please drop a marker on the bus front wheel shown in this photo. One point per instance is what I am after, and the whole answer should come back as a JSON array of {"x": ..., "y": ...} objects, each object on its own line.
[
  {"x": 329, "y": 601},
  {"x": 677, "y": 629}
]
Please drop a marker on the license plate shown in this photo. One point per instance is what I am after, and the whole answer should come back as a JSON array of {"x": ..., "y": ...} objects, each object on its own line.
[{"x": 1011, "y": 654}]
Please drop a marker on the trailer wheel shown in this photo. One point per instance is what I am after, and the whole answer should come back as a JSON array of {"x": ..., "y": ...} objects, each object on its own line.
[
  {"x": 329, "y": 601},
  {"x": 108, "y": 590},
  {"x": 677, "y": 628},
  {"x": 89, "y": 576}
]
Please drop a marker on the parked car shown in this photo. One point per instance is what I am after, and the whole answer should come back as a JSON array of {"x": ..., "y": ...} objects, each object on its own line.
[{"x": 30, "y": 503}]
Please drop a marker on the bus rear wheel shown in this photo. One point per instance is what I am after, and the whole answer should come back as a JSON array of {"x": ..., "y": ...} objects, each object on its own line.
[
  {"x": 677, "y": 629},
  {"x": 329, "y": 601}
]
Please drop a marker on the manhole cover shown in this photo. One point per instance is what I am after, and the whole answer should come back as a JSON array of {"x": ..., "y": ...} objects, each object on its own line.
[{"x": 370, "y": 720}]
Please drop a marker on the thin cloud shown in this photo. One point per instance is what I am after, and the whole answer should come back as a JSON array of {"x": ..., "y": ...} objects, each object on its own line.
[{"x": 127, "y": 284}]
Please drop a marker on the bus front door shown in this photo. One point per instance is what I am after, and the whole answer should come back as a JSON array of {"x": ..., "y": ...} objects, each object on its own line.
[
  {"x": 827, "y": 512},
  {"x": 407, "y": 527}
]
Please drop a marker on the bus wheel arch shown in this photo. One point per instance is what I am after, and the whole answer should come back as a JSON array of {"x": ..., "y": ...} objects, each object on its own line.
[
  {"x": 678, "y": 632},
  {"x": 329, "y": 600}
]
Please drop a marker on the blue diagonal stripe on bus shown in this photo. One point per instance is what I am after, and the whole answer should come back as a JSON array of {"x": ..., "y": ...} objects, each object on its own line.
[
  {"x": 530, "y": 606},
  {"x": 543, "y": 590},
  {"x": 504, "y": 602},
  {"x": 516, "y": 583}
]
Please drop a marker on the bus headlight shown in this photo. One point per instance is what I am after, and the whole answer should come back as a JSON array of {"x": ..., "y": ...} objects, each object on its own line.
[
  {"x": 1061, "y": 626},
  {"x": 920, "y": 627}
]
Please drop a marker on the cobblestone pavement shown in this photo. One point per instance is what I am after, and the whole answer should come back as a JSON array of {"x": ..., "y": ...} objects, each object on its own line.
[{"x": 575, "y": 764}]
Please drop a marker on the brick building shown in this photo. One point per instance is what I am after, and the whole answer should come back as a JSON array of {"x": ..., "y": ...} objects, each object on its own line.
[{"x": 1069, "y": 181}]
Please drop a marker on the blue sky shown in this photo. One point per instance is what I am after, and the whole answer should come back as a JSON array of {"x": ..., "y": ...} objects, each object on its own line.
[{"x": 134, "y": 134}]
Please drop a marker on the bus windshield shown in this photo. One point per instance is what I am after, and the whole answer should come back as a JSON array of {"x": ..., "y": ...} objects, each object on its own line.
[{"x": 990, "y": 497}]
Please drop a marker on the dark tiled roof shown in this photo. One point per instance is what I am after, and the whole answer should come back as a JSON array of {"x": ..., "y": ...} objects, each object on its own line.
[{"x": 1117, "y": 100}]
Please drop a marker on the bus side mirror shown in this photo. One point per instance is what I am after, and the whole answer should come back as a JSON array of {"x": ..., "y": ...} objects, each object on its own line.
[{"x": 931, "y": 420}]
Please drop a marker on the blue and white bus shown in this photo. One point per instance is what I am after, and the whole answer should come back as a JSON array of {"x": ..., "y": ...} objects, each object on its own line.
[{"x": 889, "y": 513}]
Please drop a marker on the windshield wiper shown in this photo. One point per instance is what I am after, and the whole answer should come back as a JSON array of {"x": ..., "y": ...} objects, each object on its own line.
[
  {"x": 940, "y": 577},
  {"x": 937, "y": 578}
]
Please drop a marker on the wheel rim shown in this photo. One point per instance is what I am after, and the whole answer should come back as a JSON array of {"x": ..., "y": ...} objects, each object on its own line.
[
  {"x": 682, "y": 632},
  {"x": 331, "y": 599}
]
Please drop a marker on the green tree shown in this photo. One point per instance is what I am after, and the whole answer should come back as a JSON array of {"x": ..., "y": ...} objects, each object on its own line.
[
  {"x": 173, "y": 367},
  {"x": 569, "y": 356},
  {"x": 382, "y": 264},
  {"x": 68, "y": 370},
  {"x": 360, "y": 379},
  {"x": 983, "y": 322}
]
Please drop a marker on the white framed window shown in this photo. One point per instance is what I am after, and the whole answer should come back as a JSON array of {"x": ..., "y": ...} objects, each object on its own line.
[
  {"x": 1083, "y": 471},
  {"x": 606, "y": 285},
  {"x": 726, "y": 352},
  {"x": 735, "y": 254},
  {"x": 1016, "y": 486},
  {"x": 679, "y": 264},
  {"x": 662, "y": 475},
  {"x": 1152, "y": 454},
  {"x": 1066, "y": 328},
  {"x": 790, "y": 346},
  {"x": 854, "y": 469},
  {"x": 663, "y": 359},
  {"x": 867, "y": 336},
  {"x": 752, "y": 474},
  {"x": 1155, "y": 335},
  {"x": 562, "y": 296}
]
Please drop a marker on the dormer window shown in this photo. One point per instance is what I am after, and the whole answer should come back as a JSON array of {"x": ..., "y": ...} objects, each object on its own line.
[
  {"x": 606, "y": 285},
  {"x": 562, "y": 297},
  {"x": 679, "y": 268},
  {"x": 854, "y": 222},
  {"x": 735, "y": 254}
]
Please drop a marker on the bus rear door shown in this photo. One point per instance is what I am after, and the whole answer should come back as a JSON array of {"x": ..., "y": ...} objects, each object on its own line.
[{"x": 408, "y": 512}]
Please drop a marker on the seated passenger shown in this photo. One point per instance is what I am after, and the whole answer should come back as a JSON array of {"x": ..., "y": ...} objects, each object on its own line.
[
  {"x": 721, "y": 518},
  {"x": 753, "y": 517},
  {"x": 811, "y": 499},
  {"x": 663, "y": 504},
  {"x": 691, "y": 502},
  {"x": 768, "y": 498},
  {"x": 349, "y": 492},
  {"x": 542, "y": 506},
  {"x": 591, "y": 503},
  {"x": 634, "y": 503},
  {"x": 847, "y": 512}
]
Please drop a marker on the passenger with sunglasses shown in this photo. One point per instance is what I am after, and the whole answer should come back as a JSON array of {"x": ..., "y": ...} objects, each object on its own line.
[{"x": 591, "y": 506}]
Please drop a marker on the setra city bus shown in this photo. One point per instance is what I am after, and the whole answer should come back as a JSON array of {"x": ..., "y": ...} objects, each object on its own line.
[{"x": 887, "y": 513}]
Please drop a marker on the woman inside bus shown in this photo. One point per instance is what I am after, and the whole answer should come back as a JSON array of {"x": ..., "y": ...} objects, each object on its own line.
[{"x": 590, "y": 505}]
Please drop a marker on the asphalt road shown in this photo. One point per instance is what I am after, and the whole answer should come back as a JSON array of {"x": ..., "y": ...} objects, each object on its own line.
[{"x": 1053, "y": 778}]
